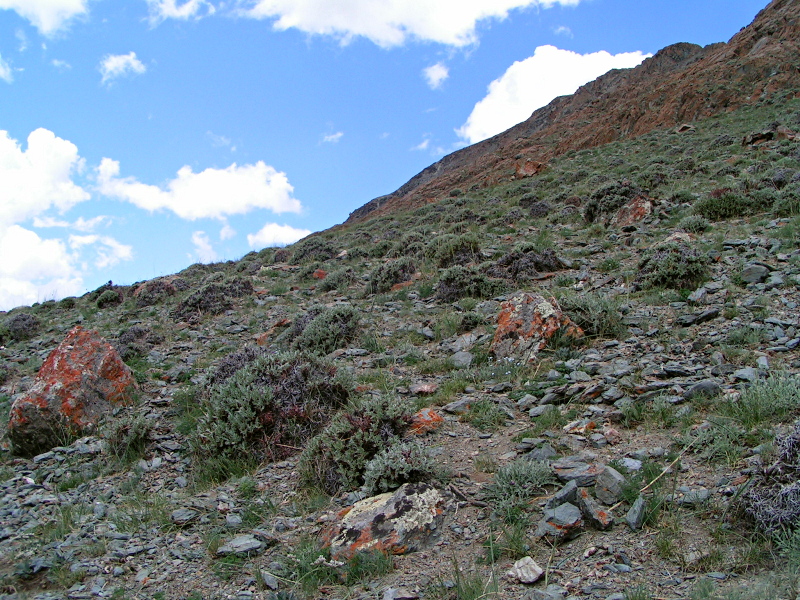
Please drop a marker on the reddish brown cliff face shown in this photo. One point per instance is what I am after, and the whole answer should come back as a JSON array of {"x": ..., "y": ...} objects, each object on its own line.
[{"x": 681, "y": 83}]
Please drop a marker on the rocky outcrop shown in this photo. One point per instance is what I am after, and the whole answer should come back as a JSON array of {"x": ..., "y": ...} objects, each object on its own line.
[{"x": 81, "y": 380}]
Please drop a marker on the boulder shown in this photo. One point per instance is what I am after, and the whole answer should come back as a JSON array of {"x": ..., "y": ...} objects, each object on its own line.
[
  {"x": 632, "y": 212},
  {"x": 425, "y": 421},
  {"x": 396, "y": 522},
  {"x": 80, "y": 382},
  {"x": 525, "y": 323}
]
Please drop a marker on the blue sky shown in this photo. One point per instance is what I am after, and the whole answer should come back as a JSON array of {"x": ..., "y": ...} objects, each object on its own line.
[{"x": 140, "y": 136}]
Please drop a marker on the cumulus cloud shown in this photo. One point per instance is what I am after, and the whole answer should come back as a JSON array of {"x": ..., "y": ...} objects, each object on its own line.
[
  {"x": 202, "y": 247},
  {"x": 390, "y": 22},
  {"x": 213, "y": 193},
  {"x": 38, "y": 178},
  {"x": 6, "y": 74},
  {"x": 332, "y": 138},
  {"x": 160, "y": 10},
  {"x": 435, "y": 75},
  {"x": 273, "y": 234},
  {"x": 34, "y": 269},
  {"x": 109, "y": 251},
  {"x": 114, "y": 66},
  {"x": 532, "y": 83},
  {"x": 48, "y": 16},
  {"x": 227, "y": 232}
]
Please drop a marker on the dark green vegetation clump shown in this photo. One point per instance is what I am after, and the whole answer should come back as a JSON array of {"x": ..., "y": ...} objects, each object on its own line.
[
  {"x": 322, "y": 330},
  {"x": 109, "y": 298},
  {"x": 391, "y": 273},
  {"x": 213, "y": 298},
  {"x": 673, "y": 265},
  {"x": 336, "y": 460},
  {"x": 725, "y": 203},
  {"x": 467, "y": 282},
  {"x": 609, "y": 198},
  {"x": 271, "y": 407},
  {"x": 21, "y": 326}
]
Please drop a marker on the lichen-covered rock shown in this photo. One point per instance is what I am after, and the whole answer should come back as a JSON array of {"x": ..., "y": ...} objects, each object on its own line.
[
  {"x": 81, "y": 380},
  {"x": 526, "y": 322},
  {"x": 634, "y": 211},
  {"x": 396, "y": 522}
]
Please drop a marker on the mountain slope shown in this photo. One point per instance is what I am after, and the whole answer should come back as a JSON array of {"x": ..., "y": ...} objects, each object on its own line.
[{"x": 683, "y": 82}]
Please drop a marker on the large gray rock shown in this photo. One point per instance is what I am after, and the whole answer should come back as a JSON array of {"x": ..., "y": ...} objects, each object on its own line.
[
  {"x": 395, "y": 522},
  {"x": 754, "y": 273}
]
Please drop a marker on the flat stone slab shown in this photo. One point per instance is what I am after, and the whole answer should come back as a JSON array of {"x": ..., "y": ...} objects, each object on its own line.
[{"x": 243, "y": 545}]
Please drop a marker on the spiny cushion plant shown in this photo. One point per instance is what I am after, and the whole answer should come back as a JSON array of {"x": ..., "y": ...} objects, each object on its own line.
[
  {"x": 672, "y": 265},
  {"x": 336, "y": 459},
  {"x": 330, "y": 329},
  {"x": 388, "y": 274},
  {"x": 271, "y": 407}
]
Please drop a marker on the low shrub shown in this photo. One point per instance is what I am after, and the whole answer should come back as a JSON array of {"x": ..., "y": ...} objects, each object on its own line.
[
  {"x": 271, "y": 407},
  {"x": 467, "y": 282},
  {"x": 328, "y": 330},
  {"x": 403, "y": 462},
  {"x": 336, "y": 459},
  {"x": 609, "y": 198},
  {"x": 21, "y": 326},
  {"x": 515, "y": 485},
  {"x": 773, "y": 501},
  {"x": 126, "y": 437},
  {"x": 389, "y": 274},
  {"x": 313, "y": 249},
  {"x": 109, "y": 298},
  {"x": 597, "y": 314},
  {"x": 450, "y": 249},
  {"x": 694, "y": 224},
  {"x": 723, "y": 204},
  {"x": 213, "y": 298},
  {"x": 788, "y": 204},
  {"x": 672, "y": 265},
  {"x": 525, "y": 264},
  {"x": 339, "y": 280}
]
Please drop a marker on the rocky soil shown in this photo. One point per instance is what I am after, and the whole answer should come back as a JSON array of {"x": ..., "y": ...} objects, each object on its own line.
[{"x": 602, "y": 357}]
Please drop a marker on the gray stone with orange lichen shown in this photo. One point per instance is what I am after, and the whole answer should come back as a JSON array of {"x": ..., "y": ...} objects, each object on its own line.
[
  {"x": 560, "y": 523},
  {"x": 396, "y": 522}
]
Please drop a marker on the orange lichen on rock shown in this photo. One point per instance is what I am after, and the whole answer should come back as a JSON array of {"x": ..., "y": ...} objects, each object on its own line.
[
  {"x": 525, "y": 323},
  {"x": 395, "y": 522},
  {"x": 425, "y": 421},
  {"x": 81, "y": 380}
]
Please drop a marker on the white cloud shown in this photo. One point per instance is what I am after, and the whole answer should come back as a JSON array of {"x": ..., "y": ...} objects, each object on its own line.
[
  {"x": 273, "y": 234},
  {"x": 6, "y": 74},
  {"x": 212, "y": 193},
  {"x": 333, "y": 137},
  {"x": 389, "y": 22},
  {"x": 81, "y": 224},
  {"x": 161, "y": 10},
  {"x": 532, "y": 83},
  {"x": 423, "y": 145},
  {"x": 563, "y": 30},
  {"x": 202, "y": 247},
  {"x": 227, "y": 232},
  {"x": 34, "y": 269},
  {"x": 48, "y": 16},
  {"x": 38, "y": 178},
  {"x": 117, "y": 65},
  {"x": 109, "y": 251},
  {"x": 435, "y": 75},
  {"x": 61, "y": 65},
  {"x": 220, "y": 141}
]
